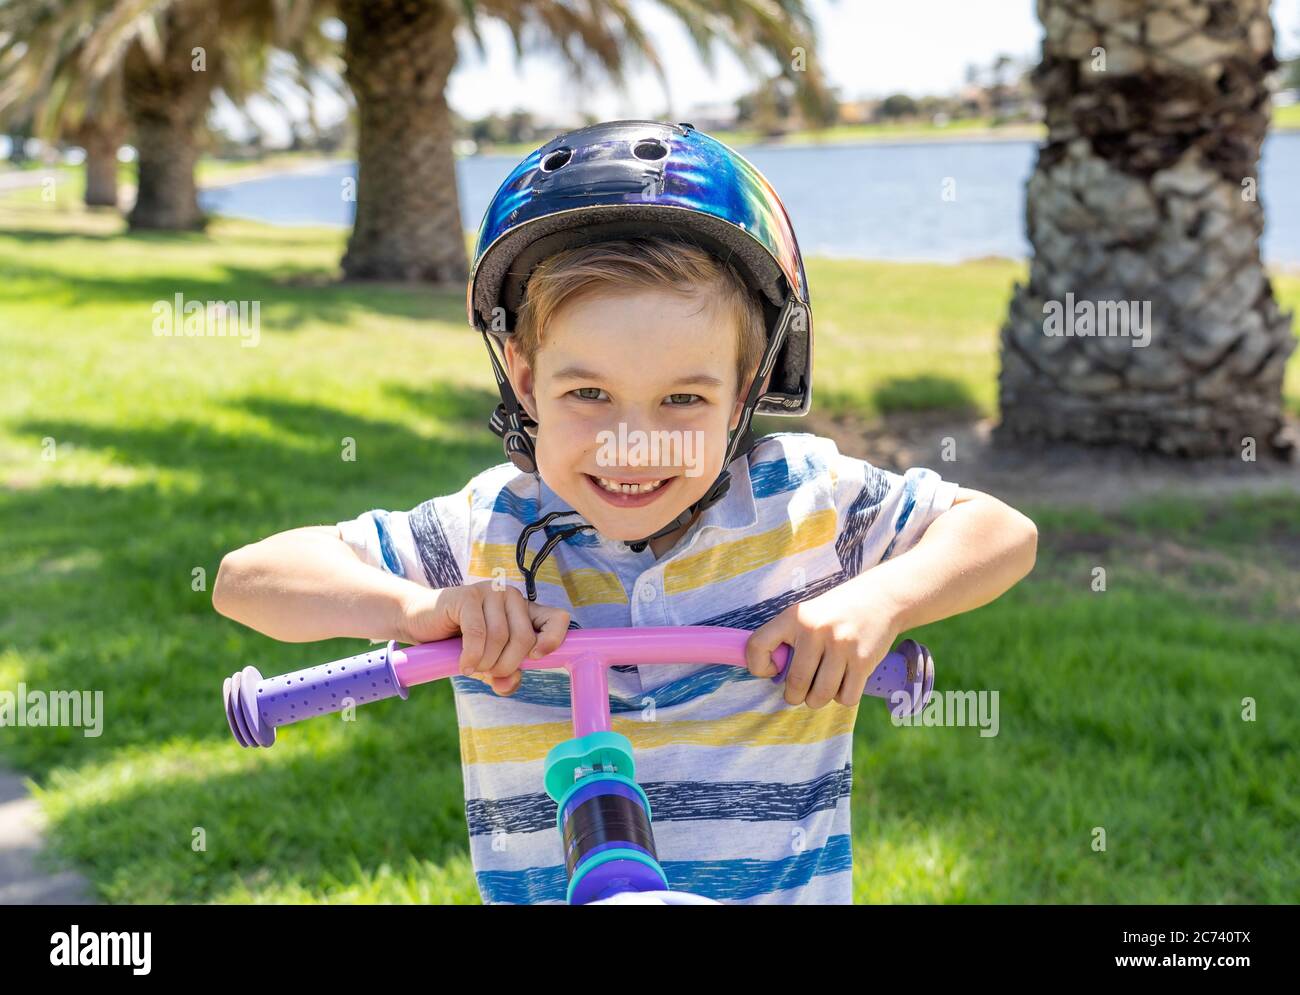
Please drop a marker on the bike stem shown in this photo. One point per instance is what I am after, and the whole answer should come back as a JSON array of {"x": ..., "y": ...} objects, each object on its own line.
[{"x": 587, "y": 656}]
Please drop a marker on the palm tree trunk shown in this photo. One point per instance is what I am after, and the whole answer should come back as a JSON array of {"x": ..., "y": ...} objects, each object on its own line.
[
  {"x": 408, "y": 225},
  {"x": 166, "y": 101},
  {"x": 1146, "y": 192},
  {"x": 101, "y": 141}
]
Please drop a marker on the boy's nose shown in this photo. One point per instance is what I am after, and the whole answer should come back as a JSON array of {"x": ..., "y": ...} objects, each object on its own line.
[{"x": 642, "y": 421}]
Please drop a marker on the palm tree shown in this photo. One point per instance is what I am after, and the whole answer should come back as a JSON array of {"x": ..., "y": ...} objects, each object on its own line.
[
  {"x": 1146, "y": 192},
  {"x": 95, "y": 70},
  {"x": 399, "y": 54},
  {"x": 170, "y": 78},
  {"x": 101, "y": 137},
  {"x": 41, "y": 80},
  {"x": 173, "y": 56}
]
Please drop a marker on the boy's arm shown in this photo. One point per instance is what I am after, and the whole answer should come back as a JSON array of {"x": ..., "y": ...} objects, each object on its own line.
[
  {"x": 969, "y": 555},
  {"x": 307, "y": 584},
  {"x": 966, "y": 557}
]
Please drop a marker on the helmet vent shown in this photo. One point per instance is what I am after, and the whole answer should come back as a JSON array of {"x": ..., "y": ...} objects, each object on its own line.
[
  {"x": 554, "y": 160},
  {"x": 650, "y": 149}
]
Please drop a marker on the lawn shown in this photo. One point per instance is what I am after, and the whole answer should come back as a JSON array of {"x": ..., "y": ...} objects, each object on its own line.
[
  {"x": 1286, "y": 118},
  {"x": 1119, "y": 710}
]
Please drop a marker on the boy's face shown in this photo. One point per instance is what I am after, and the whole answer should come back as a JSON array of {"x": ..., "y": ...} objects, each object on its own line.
[{"x": 631, "y": 386}]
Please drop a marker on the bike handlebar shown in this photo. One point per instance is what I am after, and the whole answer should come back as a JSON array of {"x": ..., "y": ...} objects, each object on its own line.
[{"x": 257, "y": 706}]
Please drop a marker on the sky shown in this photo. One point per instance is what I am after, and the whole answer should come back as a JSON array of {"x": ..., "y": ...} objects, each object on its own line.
[{"x": 869, "y": 48}]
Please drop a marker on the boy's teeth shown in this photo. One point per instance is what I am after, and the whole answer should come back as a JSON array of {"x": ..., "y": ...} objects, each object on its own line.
[{"x": 618, "y": 488}]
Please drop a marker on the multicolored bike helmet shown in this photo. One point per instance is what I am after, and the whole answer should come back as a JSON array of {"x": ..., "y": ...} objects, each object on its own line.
[{"x": 623, "y": 179}]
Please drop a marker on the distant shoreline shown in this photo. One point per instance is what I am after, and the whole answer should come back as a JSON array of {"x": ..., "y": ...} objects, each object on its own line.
[
  {"x": 261, "y": 171},
  {"x": 805, "y": 139}
]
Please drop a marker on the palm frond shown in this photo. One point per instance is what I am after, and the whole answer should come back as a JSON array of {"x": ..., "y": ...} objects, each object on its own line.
[{"x": 607, "y": 34}]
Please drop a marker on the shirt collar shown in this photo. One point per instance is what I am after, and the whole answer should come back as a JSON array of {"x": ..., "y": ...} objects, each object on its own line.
[{"x": 737, "y": 510}]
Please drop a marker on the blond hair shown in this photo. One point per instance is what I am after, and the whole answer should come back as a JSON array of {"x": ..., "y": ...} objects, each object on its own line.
[{"x": 651, "y": 262}]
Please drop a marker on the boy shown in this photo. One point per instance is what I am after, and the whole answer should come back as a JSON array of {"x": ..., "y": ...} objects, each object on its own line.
[{"x": 630, "y": 317}]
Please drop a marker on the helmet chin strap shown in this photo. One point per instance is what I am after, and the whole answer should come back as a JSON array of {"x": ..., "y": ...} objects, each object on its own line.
[{"x": 511, "y": 422}]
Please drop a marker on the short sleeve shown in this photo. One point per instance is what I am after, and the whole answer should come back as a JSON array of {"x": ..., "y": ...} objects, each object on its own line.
[
  {"x": 881, "y": 513},
  {"x": 428, "y": 544}
]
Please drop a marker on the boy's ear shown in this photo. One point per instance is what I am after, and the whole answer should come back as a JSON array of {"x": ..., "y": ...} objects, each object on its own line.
[{"x": 522, "y": 379}]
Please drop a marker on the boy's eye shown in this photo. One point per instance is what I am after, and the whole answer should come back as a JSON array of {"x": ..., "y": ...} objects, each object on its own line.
[{"x": 678, "y": 400}]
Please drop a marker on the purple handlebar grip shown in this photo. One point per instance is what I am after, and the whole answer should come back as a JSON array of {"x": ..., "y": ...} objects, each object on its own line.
[
  {"x": 907, "y": 671},
  {"x": 256, "y": 706}
]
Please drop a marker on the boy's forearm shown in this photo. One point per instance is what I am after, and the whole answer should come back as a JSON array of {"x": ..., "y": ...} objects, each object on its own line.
[
  {"x": 969, "y": 555},
  {"x": 307, "y": 584}
]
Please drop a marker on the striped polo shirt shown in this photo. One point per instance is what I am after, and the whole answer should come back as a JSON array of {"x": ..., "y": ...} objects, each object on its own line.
[{"x": 750, "y": 796}]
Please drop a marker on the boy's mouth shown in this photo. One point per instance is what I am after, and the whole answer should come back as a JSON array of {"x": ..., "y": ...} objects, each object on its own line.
[{"x": 623, "y": 493}]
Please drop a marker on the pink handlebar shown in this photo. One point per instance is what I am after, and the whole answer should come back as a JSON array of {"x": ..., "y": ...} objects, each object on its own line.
[{"x": 255, "y": 706}]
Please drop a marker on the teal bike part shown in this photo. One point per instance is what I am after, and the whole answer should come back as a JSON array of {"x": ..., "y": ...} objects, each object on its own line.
[{"x": 610, "y": 751}]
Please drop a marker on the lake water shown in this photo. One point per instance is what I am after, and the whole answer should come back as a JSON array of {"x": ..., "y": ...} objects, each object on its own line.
[{"x": 858, "y": 201}]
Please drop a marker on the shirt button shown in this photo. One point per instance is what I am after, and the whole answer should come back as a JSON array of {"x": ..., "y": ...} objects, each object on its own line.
[{"x": 647, "y": 592}]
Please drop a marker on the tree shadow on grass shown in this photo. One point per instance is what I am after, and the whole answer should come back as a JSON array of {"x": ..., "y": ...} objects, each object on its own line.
[
  {"x": 901, "y": 397},
  {"x": 378, "y": 790},
  {"x": 289, "y": 295},
  {"x": 98, "y": 589},
  {"x": 925, "y": 392},
  {"x": 98, "y": 581},
  {"x": 451, "y": 404},
  {"x": 36, "y": 236},
  {"x": 214, "y": 238}
]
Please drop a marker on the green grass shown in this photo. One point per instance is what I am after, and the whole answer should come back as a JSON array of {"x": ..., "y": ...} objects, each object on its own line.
[
  {"x": 1118, "y": 710},
  {"x": 895, "y": 337},
  {"x": 1287, "y": 118}
]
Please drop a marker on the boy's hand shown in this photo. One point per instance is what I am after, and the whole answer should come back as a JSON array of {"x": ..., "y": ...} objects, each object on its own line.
[
  {"x": 838, "y": 637},
  {"x": 498, "y": 629}
]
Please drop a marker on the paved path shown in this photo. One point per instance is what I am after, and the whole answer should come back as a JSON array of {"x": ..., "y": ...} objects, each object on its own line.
[
  {"x": 16, "y": 179},
  {"x": 22, "y": 881}
]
